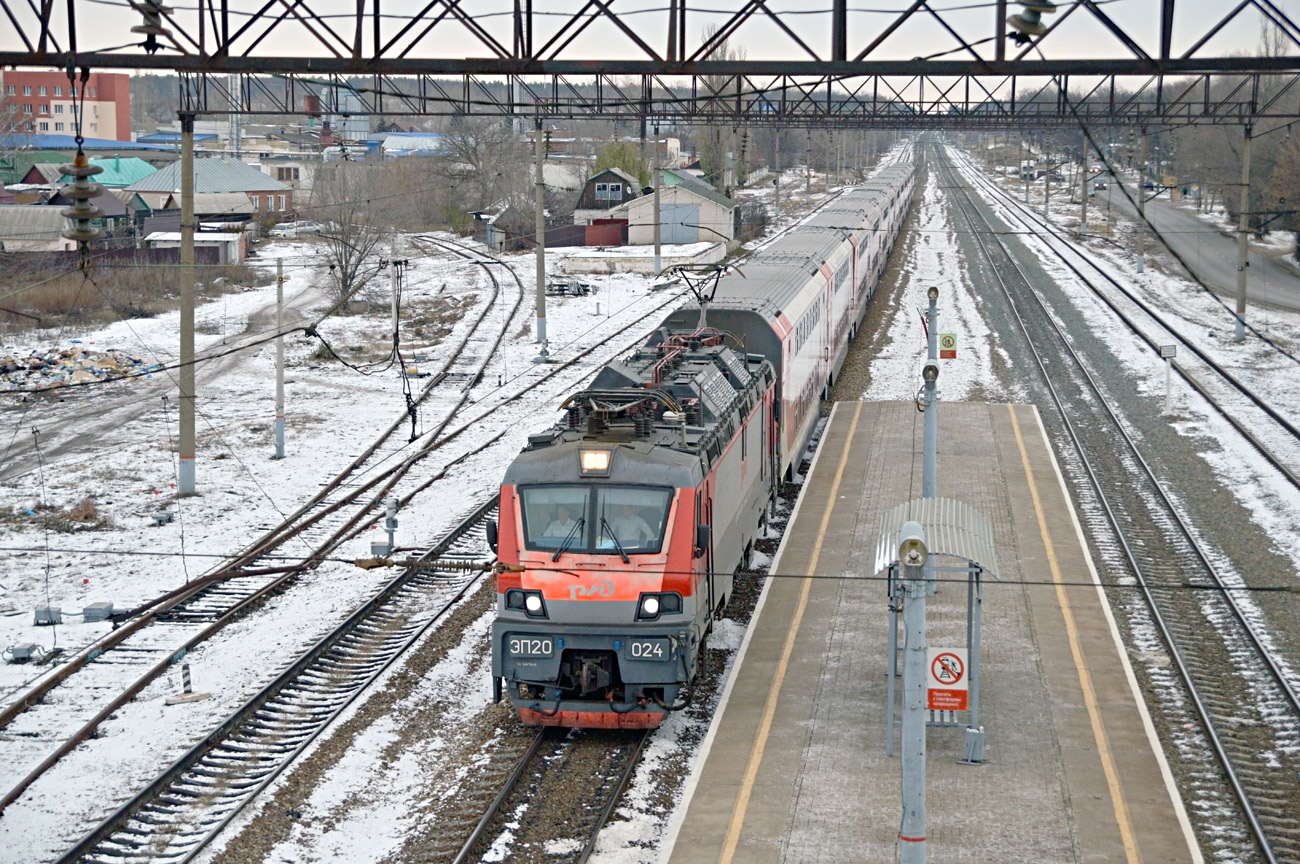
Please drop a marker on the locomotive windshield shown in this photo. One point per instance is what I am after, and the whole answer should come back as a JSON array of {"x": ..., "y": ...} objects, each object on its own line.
[{"x": 609, "y": 520}]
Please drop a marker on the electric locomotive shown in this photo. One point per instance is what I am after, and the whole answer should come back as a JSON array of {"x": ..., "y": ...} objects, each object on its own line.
[
  {"x": 622, "y": 525},
  {"x": 626, "y": 521}
]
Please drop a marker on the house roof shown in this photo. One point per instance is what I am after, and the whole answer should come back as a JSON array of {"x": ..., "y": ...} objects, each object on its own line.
[
  {"x": 221, "y": 174},
  {"x": 118, "y": 172},
  {"x": 131, "y": 199},
  {"x": 15, "y": 165},
  {"x": 49, "y": 170},
  {"x": 210, "y": 203},
  {"x": 199, "y": 237},
  {"x": 412, "y": 143},
  {"x": 167, "y": 140},
  {"x": 61, "y": 141},
  {"x": 108, "y": 203},
  {"x": 22, "y": 223},
  {"x": 632, "y": 182},
  {"x": 695, "y": 187}
]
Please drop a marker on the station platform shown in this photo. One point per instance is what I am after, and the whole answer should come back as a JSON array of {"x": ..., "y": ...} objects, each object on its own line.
[{"x": 794, "y": 768}]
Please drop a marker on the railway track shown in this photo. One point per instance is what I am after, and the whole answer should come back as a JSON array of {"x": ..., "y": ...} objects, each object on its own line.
[
  {"x": 417, "y": 474},
  {"x": 557, "y": 798},
  {"x": 1251, "y": 412},
  {"x": 174, "y": 817},
  {"x": 1236, "y": 692},
  {"x": 111, "y": 672}
]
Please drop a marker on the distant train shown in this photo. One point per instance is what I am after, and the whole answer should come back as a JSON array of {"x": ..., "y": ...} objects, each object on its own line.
[{"x": 628, "y": 519}]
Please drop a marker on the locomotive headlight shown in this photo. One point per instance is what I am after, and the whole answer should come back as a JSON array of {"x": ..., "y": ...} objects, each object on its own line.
[
  {"x": 529, "y": 602},
  {"x": 595, "y": 463},
  {"x": 651, "y": 606}
]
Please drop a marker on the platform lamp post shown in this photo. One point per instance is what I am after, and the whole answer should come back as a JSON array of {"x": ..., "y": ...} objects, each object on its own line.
[
  {"x": 185, "y": 475},
  {"x": 912, "y": 556}
]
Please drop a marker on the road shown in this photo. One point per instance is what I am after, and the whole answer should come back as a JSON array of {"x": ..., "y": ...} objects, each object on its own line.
[{"x": 1211, "y": 254}]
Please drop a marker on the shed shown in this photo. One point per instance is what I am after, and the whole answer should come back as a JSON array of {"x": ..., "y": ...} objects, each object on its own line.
[
  {"x": 232, "y": 246},
  {"x": 687, "y": 215},
  {"x": 32, "y": 228}
]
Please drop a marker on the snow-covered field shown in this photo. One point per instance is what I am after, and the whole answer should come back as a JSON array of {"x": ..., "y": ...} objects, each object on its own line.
[{"x": 128, "y": 468}]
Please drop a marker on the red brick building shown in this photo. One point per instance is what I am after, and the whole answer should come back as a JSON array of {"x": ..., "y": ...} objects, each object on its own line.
[{"x": 47, "y": 102}]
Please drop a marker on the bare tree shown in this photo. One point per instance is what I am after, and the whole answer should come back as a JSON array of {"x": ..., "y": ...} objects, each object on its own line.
[
  {"x": 487, "y": 160},
  {"x": 344, "y": 200}
]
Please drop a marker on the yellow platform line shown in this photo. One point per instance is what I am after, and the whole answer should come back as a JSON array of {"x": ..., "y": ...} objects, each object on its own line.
[
  {"x": 769, "y": 709},
  {"x": 1117, "y": 800}
]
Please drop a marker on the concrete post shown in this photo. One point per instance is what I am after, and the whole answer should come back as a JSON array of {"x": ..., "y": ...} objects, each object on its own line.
[
  {"x": 657, "y": 180},
  {"x": 279, "y": 358},
  {"x": 1142, "y": 202},
  {"x": 1024, "y": 175},
  {"x": 931, "y": 376},
  {"x": 1047, "y": 179},
  {"x": 1083, "y": 171},
  {"x": 807, "y": 174},
  {"x": 187, "y": 444},
  {"x": 1243, "y": 228},
  {"x": 911, "y": 833},
  {"x": 777, "y": 196},
  {"x": 540, "y": 208}
]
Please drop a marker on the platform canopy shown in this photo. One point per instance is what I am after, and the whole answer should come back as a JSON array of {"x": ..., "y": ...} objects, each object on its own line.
[{"x": 951, "y": 528}]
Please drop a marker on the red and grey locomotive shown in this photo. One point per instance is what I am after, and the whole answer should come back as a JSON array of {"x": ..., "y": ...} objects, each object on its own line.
[{"x": 624, "y": 523}]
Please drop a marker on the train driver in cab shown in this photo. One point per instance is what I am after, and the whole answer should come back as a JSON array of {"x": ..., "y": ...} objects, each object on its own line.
[
  {"x": 562, "y": 524},
  {"x": 629, "y": 528}
]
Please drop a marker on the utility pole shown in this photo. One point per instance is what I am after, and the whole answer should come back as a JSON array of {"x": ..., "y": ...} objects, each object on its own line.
[
  {"x": 807, "y": 176},
  {"x": 186, "y": 476},
  {"x": 1024, "y": 168},
  {"x": 1047, "y": 179},
  {"x": 395, "y": 253},
  {"x": 1243, "y": 226},
  {"x": 1083, "y": 170},
  {"x": 544, "y": 355},
  {"x": 1142, "y": 201},
  {"x": 279, "y": 358},
  {"x": 658, "y": 218},
  {"x": 777, "y": 196}
]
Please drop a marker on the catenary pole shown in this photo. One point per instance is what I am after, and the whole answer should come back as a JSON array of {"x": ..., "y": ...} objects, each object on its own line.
[
  {"x": 541, "y": 249},
  {"x": 1243, "y": 228},
  {"x": 658, "y": 216},
  {"x": 911, "y": 832},
  {"x": 1083, "y": 172},
  {"x": 187, "y": 446},
  {"x": 1142, "y": 201},
  {"x": 279, "y": 358}
]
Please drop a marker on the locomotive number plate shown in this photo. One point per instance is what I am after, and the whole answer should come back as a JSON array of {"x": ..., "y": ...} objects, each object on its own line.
[
  {"x": 649, "y": 649},
  {"x": 531, "y": 646}
]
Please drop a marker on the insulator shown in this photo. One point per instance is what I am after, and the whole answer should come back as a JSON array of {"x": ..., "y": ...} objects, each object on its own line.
[
  {"x": 575, "y": 417},
  {"x": 151, "y": 11},
  {"x": 81, "y": 190}
]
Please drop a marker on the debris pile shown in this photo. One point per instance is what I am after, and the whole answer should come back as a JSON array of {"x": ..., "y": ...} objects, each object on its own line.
[{"x": 60, "y": 367}]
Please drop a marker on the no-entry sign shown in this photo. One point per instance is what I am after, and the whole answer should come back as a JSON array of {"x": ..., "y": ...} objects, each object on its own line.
[
  {"x": 947, "y": 688},
  {"x": 947, "y": 346}
]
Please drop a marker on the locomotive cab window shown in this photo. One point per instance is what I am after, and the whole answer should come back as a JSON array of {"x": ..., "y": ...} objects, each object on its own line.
[
  {"x": 602, "y": 519},
  {"x": 556, "y": 516}
]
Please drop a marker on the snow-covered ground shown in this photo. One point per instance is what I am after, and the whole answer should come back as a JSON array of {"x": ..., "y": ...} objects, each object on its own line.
[{"x": 333, "y": 412}]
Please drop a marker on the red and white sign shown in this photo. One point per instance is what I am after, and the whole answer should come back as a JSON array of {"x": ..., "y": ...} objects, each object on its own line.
[{"x": 947, "y": 688}]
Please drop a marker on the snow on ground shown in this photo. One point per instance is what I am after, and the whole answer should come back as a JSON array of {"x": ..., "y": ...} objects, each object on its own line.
[
  {"x": 332, "y": 413},
  {"x": 933, "y": 260}
]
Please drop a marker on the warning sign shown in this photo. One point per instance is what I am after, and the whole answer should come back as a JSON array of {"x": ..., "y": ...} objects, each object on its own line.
[
  {"x": 947, "y": 688},
  {"x": 947, "y": 346}
]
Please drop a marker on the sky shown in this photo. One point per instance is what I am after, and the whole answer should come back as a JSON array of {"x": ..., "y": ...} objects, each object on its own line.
[{"x": 104, "y": 25}]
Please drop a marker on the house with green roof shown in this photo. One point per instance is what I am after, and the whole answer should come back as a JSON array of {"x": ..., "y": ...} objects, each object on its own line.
[
  {"x": 119, "y": 172},
  {"x": 15, "y": 164}
]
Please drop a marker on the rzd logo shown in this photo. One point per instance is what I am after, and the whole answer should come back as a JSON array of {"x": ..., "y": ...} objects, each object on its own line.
[{"x": 599, "y": 589}]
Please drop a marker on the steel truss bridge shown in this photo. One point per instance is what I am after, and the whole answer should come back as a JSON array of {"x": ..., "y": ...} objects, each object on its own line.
[{"x": 1163, "y": 64}]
